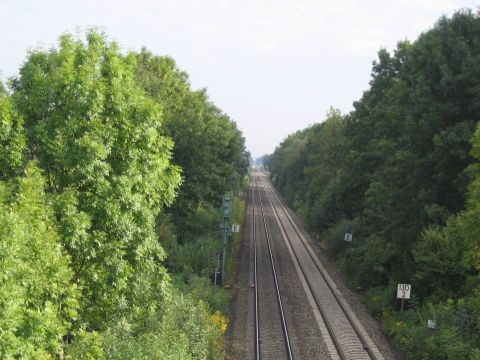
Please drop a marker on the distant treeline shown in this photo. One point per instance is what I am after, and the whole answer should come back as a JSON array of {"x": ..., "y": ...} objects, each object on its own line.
[
  {"x": 401, "y": 173},
  {"x": 111, "y": 172}
]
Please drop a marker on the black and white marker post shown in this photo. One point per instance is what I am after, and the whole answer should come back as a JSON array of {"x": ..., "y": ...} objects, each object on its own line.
[
  {"x": 348, "y": 239},
  {"x": 403, "y": 292}
]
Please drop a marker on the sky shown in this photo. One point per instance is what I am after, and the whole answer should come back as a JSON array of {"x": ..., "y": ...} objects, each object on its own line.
[{"x": 274, "y": 66}]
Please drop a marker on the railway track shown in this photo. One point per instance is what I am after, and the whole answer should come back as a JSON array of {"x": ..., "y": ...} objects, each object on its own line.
[
  {"x": 345, "y": 337},
  {"x": 271, "y": 331}
]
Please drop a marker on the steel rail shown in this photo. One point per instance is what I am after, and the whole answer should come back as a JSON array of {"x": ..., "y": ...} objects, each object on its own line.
[
  {"x": 255, "y": 282},
  {"x": 361, "y": 337},
  {"x": 288, "y": 347},
  {"x": 329, "y": 326},
  {"x": 346, "y": 312}
]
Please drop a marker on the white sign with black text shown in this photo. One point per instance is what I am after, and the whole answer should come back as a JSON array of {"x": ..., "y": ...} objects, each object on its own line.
[
  {"x": 403, "y": 291},
  {"x": 235, "y": 228}
]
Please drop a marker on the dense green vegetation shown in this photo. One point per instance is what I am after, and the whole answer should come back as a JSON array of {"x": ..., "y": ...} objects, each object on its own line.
[
  {"x": 105, "y": 158},
  {"x": 401, "y": 172},
  {"x": 208, "y": 145}
]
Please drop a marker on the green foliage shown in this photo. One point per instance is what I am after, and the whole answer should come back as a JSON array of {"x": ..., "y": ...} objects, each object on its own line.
[
  {"x": 87, "y": 346},
  {"x": 454, "y": 336},
  {"x": 201, "y": 288},
  {"x": 468, "y": 220},
  {"x": 196, "y": 257},
  {"x": 233, "y": 248},
  {"x": 398, "y": 166},
  {"x": 369, "y": 264},
  {"x": 100, "y": 143},
  {"x": 208, "y": 145},
  {"x": 37, "y": 298},
  {"x": 442, "y": 258},
  {"x": 379, "y": 300},
  {"x": 335, "y": 235},
  {"x": 287, "y": 165},
  {"x": 437, "y": 257},
  {"x": 82, "y": 248},
  {"x": 3, "y": 91},
  {"x": 12, "y": 140},
  {"x": 211, "y": 152},
  {"x": 184, "y": 331}
]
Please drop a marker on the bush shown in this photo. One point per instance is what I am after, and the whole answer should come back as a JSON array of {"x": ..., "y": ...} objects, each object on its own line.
[
  {"x": 200, "y": 288},
  {"x": 335, "y": 235},
  {"x": 379, "y": 300},
  {"x": 183, "y": 330},
  {"x": 454, "y": 336},
  {"x": 368, "y": 263}
]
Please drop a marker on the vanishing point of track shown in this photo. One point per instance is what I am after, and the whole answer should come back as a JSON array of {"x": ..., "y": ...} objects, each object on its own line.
[{"x": 347, "y": 338}]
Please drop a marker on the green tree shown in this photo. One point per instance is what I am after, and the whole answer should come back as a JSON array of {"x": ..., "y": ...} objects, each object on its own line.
[
  {"x": 325, "y": 157},
  {"x": 12, "y": 140},
  {"x": 99, "y": 141},
  {"x": 287, "y": 166},
  {"x": 468, "y": 220},
  {"x": 37, "y": 298},
  {"x": 99, "y": 126},
  {"x": 3, "y": 91},
  {"x": 208, "y": 145},
  {"x": 396, "y": 164}
]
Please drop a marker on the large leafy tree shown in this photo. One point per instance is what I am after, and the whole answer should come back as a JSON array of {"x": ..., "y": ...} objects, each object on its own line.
[{"x": 107, "y": 164}]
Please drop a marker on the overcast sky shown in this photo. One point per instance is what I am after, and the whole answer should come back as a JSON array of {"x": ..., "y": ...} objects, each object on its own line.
[{"x": 274, "y": 66}]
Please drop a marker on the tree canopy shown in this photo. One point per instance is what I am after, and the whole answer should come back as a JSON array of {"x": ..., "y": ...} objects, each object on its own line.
[
  {"x": 38, "y": 300},
  {"x": 97, "y": 150},
  {"x": 107, "y": 165},
  {"x": 208, "y": 145},
  {"x": 395, "y": 171}
]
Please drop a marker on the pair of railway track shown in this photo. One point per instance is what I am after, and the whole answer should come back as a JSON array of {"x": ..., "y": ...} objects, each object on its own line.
[
  {"x": 342, "y": 333},
  {"x": 274, "y": 281}
]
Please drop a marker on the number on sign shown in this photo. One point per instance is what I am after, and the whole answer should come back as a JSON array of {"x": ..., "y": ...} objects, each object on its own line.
[{"x": 403, "y": 291}]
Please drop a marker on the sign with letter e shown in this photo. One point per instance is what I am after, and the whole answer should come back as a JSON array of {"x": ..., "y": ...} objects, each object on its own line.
[
  {"x": 235, "y": 228},
  {"x": 348, "y": 237},
  {"x": 403, "y": 291}
]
